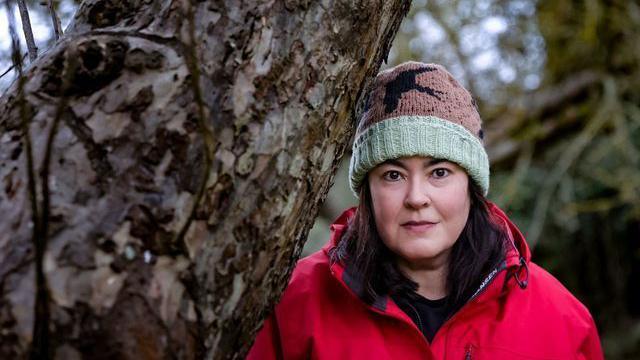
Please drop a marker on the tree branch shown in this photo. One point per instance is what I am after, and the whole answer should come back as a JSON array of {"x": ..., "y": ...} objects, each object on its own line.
[
  {"x": 28, "y": 33},
  {"x": 11, "y": 67},
  {"x": 40, "y": 344},
  {"x": 17, "y": 63},
  {"x": 41, "y": 327},
  {"x": 210, "y": 147},
  {"x": 55, "y": 20}
]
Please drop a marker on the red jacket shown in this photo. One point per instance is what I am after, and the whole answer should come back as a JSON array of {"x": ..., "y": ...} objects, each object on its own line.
[{"x": 321, "y": 317}]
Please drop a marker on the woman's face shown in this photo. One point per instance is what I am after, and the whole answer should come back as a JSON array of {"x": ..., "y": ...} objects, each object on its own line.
[{"x": 420, "y": 207}]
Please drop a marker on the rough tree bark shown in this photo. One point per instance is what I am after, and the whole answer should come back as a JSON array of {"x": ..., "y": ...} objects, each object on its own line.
[{"x": 191, "y": 143}]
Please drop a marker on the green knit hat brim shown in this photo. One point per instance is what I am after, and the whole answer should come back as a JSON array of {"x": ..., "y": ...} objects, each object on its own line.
[{"x": 413, "y": 135}]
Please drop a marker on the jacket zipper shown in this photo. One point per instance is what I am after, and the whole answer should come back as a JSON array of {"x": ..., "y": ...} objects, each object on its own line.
[
  {"x": 483, "y": 286},
  {"x": 418, "y": 316},
  {"x": 468, "y": 354},
  {"x": 487, "y": 280}
]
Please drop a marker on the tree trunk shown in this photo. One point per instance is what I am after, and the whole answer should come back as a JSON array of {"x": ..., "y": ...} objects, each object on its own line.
[{"x": 147, "y": 215}]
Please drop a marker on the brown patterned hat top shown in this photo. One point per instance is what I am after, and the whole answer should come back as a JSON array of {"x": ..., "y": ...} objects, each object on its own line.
[{"x": 414, "y": 88}]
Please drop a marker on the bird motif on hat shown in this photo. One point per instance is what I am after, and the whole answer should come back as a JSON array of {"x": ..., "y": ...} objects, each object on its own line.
[{"x": 406, "y": 81}]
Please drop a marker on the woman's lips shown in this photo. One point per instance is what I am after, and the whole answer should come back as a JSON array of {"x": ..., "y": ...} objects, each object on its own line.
[{"x": 418, "y": 226}]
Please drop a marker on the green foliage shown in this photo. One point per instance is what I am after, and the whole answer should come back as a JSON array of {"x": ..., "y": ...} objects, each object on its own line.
[{"x": 586, "y": 174}]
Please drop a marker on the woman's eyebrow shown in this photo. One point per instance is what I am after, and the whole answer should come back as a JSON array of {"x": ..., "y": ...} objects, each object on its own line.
[
  {"x": 430, "y": 162},
  {"x": 394, "y": 162}
]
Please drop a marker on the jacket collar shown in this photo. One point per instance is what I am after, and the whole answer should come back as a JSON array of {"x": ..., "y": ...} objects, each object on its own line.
[
  {"x": 517, "y": 256},
  {"x": 519, "y": 251}
]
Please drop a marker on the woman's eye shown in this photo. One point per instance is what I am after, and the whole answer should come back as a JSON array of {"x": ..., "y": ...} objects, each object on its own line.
[
  {"x": 392, "y": 175},
  {"x": 440, "y": 173}
]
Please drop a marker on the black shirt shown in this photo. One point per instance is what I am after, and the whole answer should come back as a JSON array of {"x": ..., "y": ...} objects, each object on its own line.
[{"x": 428, "y": 315}]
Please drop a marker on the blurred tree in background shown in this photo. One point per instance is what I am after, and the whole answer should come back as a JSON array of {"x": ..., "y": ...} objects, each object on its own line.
[{"x": 558, "y": 83}]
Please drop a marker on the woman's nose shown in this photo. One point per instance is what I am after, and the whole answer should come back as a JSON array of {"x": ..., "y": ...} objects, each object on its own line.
[{"x": 417, "y": 195}]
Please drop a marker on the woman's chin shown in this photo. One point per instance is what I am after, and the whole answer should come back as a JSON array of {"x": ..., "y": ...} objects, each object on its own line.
[{"x": 422, "y": 256}]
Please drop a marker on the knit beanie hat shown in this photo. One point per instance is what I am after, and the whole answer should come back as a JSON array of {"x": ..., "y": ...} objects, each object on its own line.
[{"x": 419, "y": 109}]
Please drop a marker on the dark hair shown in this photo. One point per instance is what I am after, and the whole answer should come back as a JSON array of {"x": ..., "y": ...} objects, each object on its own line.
[{"x": 479, "y": 249}]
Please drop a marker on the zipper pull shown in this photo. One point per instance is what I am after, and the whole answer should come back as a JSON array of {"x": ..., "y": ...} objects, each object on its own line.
[{"x": 468, "y": 352}]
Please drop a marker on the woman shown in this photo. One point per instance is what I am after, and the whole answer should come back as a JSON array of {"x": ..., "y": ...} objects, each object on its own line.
[{"x": 425, "y": 267}]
